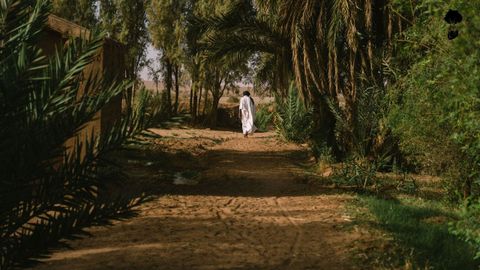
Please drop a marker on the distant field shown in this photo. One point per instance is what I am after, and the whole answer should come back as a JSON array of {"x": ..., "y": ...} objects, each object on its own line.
[{"x": 225, "y": 101}]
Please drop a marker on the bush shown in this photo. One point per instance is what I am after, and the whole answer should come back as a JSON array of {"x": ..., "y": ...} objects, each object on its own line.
[
  {"x": 436, "y": 98},
  {"x": 363, "y": 174},
  {"x": 468, "y": 227},
  {"x": 263, "y": 118},
  {"x": 157, "y": 107},
  {"x": 324, "y": 156},
  {"x": 436, "y": 104},
  {"x": 293, "y": 121},
  {"x": 358, "y": 173},
  {"x": 363, "y": 133}
]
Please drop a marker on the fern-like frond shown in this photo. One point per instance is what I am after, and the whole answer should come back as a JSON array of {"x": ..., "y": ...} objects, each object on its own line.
[{"x": 293, "y": 121}]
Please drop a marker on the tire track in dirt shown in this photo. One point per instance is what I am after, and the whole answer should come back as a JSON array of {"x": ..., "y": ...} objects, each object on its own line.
[
  {"x": 298, "y": 236},
  {"x": 227, "y": 215},
  {"x": 251, "y": 210}
]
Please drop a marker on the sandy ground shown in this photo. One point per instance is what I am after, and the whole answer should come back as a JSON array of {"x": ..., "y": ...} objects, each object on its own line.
[{"x": 253, "y": 208}]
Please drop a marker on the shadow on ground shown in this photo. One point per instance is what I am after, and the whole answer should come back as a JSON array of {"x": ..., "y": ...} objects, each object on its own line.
[
  {"x": 223, "y": 173},
  {"x": 253, "y": 208}
]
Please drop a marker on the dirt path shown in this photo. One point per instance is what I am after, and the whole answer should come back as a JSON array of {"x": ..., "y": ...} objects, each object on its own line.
[{"x": 252, "y": 209}]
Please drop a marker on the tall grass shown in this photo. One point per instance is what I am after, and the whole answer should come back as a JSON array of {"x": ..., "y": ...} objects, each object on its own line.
[
  {"x": 46, "y": 190},
  {"x": 421, "y": 229}
]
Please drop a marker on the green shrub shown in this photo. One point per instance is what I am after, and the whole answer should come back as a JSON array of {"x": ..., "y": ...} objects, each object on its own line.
[
  {"x": 323, "y": 154},
  {"x": 436, "y": 98},
  {"x": 435, "y": 104},
  {"x": 468, "y": 227},
  {"x": 263, "y": 118},
  {"x": 157, "y": 107},
  {"x": 293, "y": 121},
  {"x": 358, "y": 134},
  {"x": 359, "y": 173},
  {"x": 364, "y": 176}
]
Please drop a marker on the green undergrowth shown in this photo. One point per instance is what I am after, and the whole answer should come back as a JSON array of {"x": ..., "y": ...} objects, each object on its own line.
[{"x": 420, "y": 232}]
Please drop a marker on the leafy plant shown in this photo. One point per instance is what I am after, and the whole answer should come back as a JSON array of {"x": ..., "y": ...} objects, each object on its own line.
[
  {"x": 468, "y": 227},
  {"x": 360, "y": 132},
  {"x": 47, "y": 189},
  {"x": 293, "y": 121},
  {"x": 263, "y": 118},
  {"x": 157, "y": 106},
  {"x": 359, "y": 173},
  {"x": 363, "y": 174},
  {"x": 435, "y": 100}
]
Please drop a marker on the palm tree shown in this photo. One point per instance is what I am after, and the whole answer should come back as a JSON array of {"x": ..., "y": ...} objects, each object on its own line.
[
  {"x": 242, "y": 33},
  {"x": 48, "y": 190},
  {"x": 335, "y": 48}
]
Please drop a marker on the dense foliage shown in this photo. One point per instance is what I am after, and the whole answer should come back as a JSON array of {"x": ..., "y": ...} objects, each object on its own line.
[
  {"x": 435, "y": 99},
  {"x": 468, "y": 227},
  {"x": 50, "y": 167},
  {"x": 435, "y": 103},
  {"x": 263, "y": 118},
  {"x": 377, "y": 85},
  {"x": 385, "y": 82}
]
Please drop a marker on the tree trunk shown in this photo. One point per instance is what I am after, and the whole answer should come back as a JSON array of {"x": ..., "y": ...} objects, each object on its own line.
[
  {"x": 128, "y": 99},
  {"x": 130, "y": 91},
  {"x": 213, "y": 112},
  {"x": 177, "y": 88},
  {"x": 199, "y": 103},
  {"x": 193, "y": 95},
  {"x": 194, "y": 100},
  {"x": 323, "y": 133},
  {"x": 205, "y": 103},
  {"x": 168, "y": 84},
  {"x": 217, "y": 94},
  {"x": 190, "y": 104},
  {"x": 467, "y": 188}
]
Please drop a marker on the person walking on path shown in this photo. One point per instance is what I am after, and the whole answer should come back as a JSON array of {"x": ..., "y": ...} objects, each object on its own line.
[{"x": 247, "y": 114}]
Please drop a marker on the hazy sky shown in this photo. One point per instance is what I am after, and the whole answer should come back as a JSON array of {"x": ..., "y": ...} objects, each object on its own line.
[{"x": 151, "y": 54}]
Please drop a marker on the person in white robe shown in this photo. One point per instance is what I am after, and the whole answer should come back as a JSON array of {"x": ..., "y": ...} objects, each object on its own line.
[{"x": 247, "y": 114}]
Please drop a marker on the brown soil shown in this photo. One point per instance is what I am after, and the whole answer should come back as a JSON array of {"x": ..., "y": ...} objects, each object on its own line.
[{"x": 254, "y": 208}]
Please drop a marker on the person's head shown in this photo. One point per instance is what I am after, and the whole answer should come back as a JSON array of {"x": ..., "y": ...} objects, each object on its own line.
[{"x": 246, "y": 93}]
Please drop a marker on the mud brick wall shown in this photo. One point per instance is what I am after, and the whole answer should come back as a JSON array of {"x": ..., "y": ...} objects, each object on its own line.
[{"x": 109, "y": 62}]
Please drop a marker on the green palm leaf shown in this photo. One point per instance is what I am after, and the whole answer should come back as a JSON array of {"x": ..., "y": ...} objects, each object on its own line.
[{"x": 47, "y": 191}]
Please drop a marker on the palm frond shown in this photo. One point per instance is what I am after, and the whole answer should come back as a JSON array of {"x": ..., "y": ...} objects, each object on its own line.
[
  {"x": 293, "y": 121},
  {"x": 47, "y": 189}
]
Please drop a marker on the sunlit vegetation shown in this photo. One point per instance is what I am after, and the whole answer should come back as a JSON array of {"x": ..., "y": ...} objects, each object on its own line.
[
  {"x": 420, "y": 231},
  {"x": 388, "y": 90},
  {"x": 373, "y": 87}
]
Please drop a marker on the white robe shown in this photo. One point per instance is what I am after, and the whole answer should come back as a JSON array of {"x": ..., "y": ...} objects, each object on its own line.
[{"x": 247, "y": 112}]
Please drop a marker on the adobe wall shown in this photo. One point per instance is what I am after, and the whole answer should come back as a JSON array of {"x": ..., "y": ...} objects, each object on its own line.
[{"x": 109, "y": 62}]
